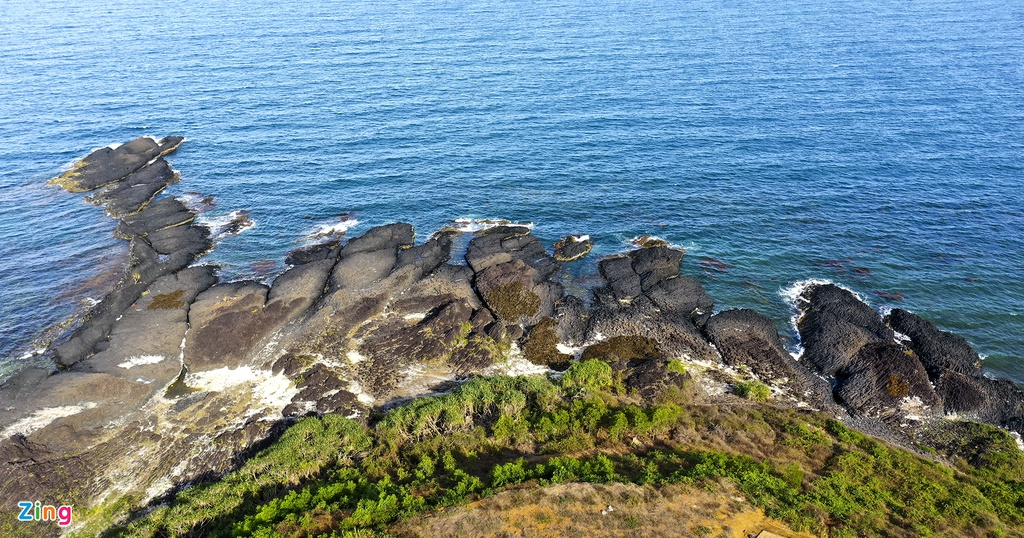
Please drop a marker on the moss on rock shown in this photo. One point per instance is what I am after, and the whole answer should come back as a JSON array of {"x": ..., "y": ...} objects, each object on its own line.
[
  {"x": 624, "y": 348},
  {"x": 542, "y": 346},
  {"x": 167, "y": 301},
  {"x": 512, "y": 301}
]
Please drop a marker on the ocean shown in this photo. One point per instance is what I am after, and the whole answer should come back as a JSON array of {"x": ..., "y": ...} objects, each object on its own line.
[{"x": 877, "y": 145}]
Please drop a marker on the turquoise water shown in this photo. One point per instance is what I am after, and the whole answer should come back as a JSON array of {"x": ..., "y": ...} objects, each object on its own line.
[{"x": 789, "y": 139}]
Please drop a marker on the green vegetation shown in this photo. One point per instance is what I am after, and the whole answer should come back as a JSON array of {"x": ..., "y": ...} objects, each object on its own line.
[
  {"x": 754, "y": 390},
  {"x": 331, "y": 476},
  {"x": 676, "y": 366}
]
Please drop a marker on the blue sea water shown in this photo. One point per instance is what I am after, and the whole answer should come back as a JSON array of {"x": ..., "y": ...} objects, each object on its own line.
[{"x": 789, "y": 139}]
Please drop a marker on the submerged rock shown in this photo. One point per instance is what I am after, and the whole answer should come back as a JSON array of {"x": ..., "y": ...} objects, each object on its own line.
[{"x": 571, "y": 248}]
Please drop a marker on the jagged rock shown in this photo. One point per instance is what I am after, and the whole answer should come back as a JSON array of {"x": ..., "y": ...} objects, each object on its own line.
[
  {"x": 655, "y": 264},
  {"x": 314, "y": 253},
  {"x": 571, "y": 248},
  {"x": 509, "y": 291},
  {"x": 228, "y": 321},
  {"x": 146, "y": 342},
  {"x": 503, "y": 244},
  {"x": 745, "y": 337},
  {"x": 623, "y": 282},
  {"x": 371, "y": 256},
  {"x": 160, "y": 214},
  {"x": 301, "y": 286},
  {"x": 880, "y": 378},
  {"x": 835, "y": 325},
  {"x": 572, "y": 317},
  {"x": 939, "y": 351},
  {"x": 681, "y": 294}
]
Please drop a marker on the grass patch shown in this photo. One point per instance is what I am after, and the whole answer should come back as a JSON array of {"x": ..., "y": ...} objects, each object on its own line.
[{"x": 330, "y": 476}]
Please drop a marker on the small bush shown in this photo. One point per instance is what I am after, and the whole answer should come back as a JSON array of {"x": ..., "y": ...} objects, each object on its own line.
[
  {"x": 588, "y": 375},
  {"x": 754, "y": 390}
]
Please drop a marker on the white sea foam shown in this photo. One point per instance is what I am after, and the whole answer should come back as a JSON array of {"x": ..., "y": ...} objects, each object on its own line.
[
  {"x": 516, "y": 365},
  {"x": 141, "y": 360},
  {"x": 328, "y": 230},
  {"x": 364, "y": 398},
  {"x": 791, "y": 295},
  {"x": 224, "y": 225},
  {"x": 476, "y": 225},
  {"x": 42, "y": 418},
  {"x": 355, "y": 357}
]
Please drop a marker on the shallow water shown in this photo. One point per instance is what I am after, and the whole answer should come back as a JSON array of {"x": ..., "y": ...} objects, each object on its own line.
[{"x": 875, "y": 145}]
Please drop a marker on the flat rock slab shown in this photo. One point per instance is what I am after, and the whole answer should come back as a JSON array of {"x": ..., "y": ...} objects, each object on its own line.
[
  {"x": 130, "y": 195},
  {"x": 160, "y": 214},
  {"x": 107, "y": 165}
]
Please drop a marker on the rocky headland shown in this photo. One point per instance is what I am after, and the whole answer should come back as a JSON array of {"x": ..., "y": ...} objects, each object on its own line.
[{"x": 176, "y": 377}]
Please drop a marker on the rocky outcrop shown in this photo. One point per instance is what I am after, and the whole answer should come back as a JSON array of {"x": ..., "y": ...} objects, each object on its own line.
[
  {"x": 176, "y": 375},
  {"x": 879, "y": 373},
  {"x": 571, "y": 248},
  {"x": 954, "y": 368},
  {"x": 162, "y": 239}
]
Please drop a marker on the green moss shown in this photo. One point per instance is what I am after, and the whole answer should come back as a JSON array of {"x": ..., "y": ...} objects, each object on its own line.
[
  {"x": 179, "y": 388},
  {"x": 897, "y": 387},
  {"x": 167, "y": 301},
  {"x": 69, "y": 180},
  {"x": 331, "y": 476},
  {"x": 542, "y": 346},
  {"x": 512, "y": 301},
  {"x": 626, "y": 348}
]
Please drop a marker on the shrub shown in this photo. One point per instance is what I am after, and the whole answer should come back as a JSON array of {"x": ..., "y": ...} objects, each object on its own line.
[
  {"x": 754, "y": 390},
  {"x": 588, "y": 375}
]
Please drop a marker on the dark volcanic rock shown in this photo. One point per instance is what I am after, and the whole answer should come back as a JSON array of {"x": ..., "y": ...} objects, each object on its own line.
[
  {"x": 131, "y": 195},
  {"x": 682, "y": 294},
  {"x": 162, "y": 213},
  {"x": 745, "y": 337},
  {"x": 938, "y": 350},
  {"x": 655, "y": 264},
  {"x": 835, "y": 325},
  {"x": 880, "y": 378},
  {"x": 623, "y": 282},
  {"x": 314, "y": 253},
  {"x": 571, "y": 248},
  {"x": 503, "y": 244},
  {"x": 371, "y": 256},
  {"x": 106, "y": 165}
]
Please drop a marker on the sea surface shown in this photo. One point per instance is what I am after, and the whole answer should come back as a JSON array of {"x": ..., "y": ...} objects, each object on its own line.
[{"x": 878, "y": 145}]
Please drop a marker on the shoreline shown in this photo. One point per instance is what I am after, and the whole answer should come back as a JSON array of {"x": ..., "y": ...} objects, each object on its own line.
[{"x": 175, "y": 373}]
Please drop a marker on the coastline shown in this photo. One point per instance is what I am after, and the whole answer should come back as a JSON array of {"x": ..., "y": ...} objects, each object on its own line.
[{"x": 173, "y": 358}]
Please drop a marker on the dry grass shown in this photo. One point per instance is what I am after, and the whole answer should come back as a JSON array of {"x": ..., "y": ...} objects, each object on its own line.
[{"x": 574, "y": 510}]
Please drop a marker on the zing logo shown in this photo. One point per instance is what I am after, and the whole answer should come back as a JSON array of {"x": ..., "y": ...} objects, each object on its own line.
[{"x": 37, "y": 512}]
